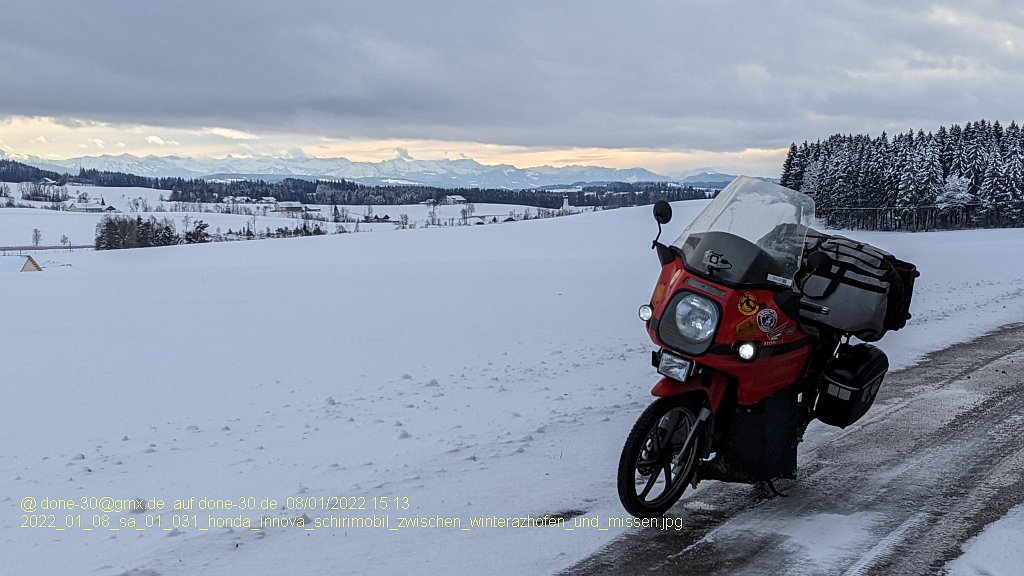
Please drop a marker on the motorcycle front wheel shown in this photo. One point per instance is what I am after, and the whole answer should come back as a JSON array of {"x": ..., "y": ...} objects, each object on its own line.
[{"x": 652, "y": 471}]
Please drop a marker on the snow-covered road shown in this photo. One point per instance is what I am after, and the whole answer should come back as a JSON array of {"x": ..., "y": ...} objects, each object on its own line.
[{"x": 940, "y": 456}]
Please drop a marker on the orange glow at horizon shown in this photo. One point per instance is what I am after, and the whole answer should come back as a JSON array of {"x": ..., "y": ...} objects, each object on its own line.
[{"x": 50, "y": 138}]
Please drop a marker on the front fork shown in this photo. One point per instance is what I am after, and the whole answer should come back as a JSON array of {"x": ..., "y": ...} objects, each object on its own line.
[
  {"x": 710, "y": 387},
  {"x": 702, "y": 419}
]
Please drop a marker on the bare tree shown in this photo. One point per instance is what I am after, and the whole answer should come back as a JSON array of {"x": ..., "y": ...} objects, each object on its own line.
[{"x": 37, "y": 236}]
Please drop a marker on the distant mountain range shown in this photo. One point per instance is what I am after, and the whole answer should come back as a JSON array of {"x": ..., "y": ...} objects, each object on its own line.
[
  {"x": 706, "y": 178},
  {"x": 462, "y": 173}
]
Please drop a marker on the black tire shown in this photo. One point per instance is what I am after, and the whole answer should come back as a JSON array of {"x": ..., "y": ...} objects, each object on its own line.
[{"x": 645, "y": 465}]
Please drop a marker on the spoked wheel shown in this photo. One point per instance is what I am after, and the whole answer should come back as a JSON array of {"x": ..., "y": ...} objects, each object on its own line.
[{"x": 653, "y": 472}]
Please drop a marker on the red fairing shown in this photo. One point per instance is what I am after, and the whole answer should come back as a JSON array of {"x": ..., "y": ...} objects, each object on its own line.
[
  {"x": 671, "y": 273},
  {"x": 714, "y": 392},
  {"x": 747, "y": 316},
  {"x": 763, "y": 376}
]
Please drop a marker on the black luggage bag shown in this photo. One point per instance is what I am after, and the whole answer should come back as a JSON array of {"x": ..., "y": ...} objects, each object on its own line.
[
  {"x": 850, "y": 383},
  {"x": 854, "y": 288}
]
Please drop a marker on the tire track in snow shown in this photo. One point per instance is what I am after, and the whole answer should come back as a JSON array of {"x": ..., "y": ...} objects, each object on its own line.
[{"x": 886, "y": 545}]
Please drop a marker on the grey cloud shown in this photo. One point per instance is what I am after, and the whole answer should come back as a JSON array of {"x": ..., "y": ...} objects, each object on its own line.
[{"x": 649, "y": 74}]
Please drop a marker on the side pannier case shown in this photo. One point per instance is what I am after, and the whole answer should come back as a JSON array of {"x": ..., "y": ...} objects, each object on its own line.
[
  {"x": 849, "y": 384},
  {"x": 855, "y": 288}
]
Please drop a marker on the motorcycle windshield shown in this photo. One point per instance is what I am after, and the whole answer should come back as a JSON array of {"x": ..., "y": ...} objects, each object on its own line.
[{"x": 752, "y": 233}]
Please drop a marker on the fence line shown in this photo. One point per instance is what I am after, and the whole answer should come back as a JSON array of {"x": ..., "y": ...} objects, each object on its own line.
[
  {"x": 921, "y": 218},
  {"x": 22, "y": 249}
]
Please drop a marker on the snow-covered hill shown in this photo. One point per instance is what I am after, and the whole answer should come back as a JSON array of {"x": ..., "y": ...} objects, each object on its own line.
[{"x": 461, "y": 374}]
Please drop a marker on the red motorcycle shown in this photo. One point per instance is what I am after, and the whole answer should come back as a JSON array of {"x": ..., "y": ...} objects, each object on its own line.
[{"x": 753, "y": 314}]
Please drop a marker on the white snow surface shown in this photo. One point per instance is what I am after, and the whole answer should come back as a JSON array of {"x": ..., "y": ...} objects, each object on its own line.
[
  {"x": 994, "y": 552},
  {"x": 477, "y": 371}
]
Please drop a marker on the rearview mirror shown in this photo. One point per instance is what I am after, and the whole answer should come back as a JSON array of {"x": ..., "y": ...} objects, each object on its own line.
[{"x": 662, "y": 212}]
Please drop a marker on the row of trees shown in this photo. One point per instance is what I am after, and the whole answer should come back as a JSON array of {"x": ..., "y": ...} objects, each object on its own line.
[
  {"x": 43, "y": 192},
  {"x": 118, "y": 231},
  {"x": 115, "y": 232},
  {"x": 11, "y": 171},
  {"x": 963, "y": 176},
  {"x": 621, "y": 194},
  {"x": 350, "y": 193}
]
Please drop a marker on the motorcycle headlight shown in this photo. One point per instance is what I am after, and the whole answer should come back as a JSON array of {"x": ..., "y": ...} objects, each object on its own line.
[
  {"x": 689, "y": 323},
  {"x": 696, "y": 318}
]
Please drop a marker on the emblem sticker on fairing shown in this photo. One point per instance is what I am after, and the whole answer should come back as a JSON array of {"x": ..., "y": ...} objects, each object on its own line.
[
  {"x": 748, "y": 304},
  {"x": 767, "y": 319},
  {"x": 768, "y": 322}
]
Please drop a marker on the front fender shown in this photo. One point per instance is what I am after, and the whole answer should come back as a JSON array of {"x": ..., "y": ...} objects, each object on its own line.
[{"x": 713, "y": 390}]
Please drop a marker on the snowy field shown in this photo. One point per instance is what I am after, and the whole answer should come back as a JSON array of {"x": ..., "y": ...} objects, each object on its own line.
[
  {"x": 449, "y": 374},
  {"x": 16, "y": 224}
]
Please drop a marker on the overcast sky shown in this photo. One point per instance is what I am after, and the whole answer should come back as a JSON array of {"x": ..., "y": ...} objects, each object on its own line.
[{"x": 668, "y": 85}]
